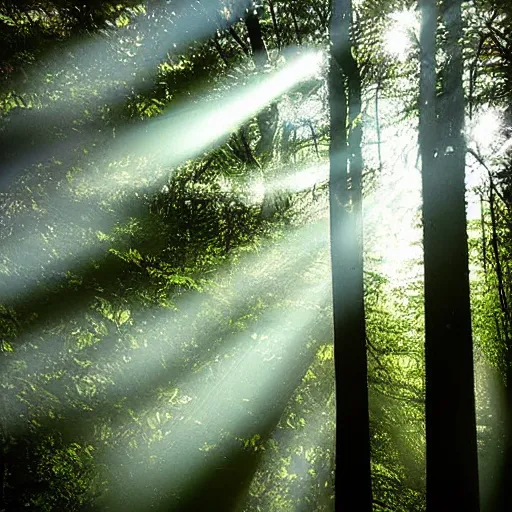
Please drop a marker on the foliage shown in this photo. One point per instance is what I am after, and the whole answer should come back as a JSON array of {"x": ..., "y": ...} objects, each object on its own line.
[{"x": 128, "y": 316}]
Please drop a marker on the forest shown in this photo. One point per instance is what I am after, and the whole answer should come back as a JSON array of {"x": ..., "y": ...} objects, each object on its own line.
[{"x": 256, "y": 255}]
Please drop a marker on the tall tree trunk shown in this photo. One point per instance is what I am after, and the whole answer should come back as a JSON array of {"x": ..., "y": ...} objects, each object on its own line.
[
  {"x": 268, "y": 117},
  {"x": 353, "y": 479},
  {"x": 275, "y": 24},
  {"x": 502, "y": 501},
  {"x": 377, "y": 125},
  {"x": 452, "y": 467}
]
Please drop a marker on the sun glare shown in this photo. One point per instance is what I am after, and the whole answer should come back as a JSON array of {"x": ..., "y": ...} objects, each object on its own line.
[
  {"x": 485, "y": 129},
  {"x": 257, "y": 192},
  {"x": 307, "y": 178},
  {"x": 304, "y": 179},
  {"x": 399, "y": 38}
]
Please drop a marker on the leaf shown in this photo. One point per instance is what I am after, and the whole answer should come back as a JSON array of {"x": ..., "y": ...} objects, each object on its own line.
[
  {"x": 6, "y": 346},
  {"x": 123, "y": 317},
  {"x": 7, "y": 20}
]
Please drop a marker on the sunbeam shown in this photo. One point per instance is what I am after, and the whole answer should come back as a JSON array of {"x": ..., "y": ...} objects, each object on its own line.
[
  {"x": 187, "y": 131},
  {"x": 306, "y": 431},
  {"x": 105, "y": 68},
  {"x": 288, "y": 180},
  {"x": 299, "y": 180},
  {"x": 178, "y": 136},
  {"x": 182, "y": 283},
  {"x": 96, "y": 64},
  {"x": 253, "y": 382},
  {"x": 164, "y": 333}
]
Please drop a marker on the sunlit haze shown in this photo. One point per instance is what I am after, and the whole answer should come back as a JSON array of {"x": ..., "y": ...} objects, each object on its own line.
[{"x": 402, "y": 30}]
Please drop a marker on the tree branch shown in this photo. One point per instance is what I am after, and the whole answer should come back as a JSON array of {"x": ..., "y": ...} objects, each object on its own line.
[
  {"x": 274, "y": 22},
  {"x": 237, "y": 38}
]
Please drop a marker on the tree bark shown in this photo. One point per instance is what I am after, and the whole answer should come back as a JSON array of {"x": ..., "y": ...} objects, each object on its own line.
[
  {"x": 452, "y": 467},
  {"x": 267, "y": 118},
  {"x": 503, "y": 501},
  {"x": 275, "y": 24},
  {"x": 377, "y": 125},
  {"x": 353, "y": 479}
]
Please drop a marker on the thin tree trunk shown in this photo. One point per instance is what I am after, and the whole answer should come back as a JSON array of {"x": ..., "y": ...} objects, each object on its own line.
[
  {"x": 237, "y": 38},
  {"x": 484, "y": 237},
  {"x": 259, "y": 50},
  {"x": 315, "y": 141},
  {"x": 220, "y": 51},
  {"x": 274, "y": 23},
  {"x": 294, "y": 152},
  {"x": 473, "y": 74},
  {"x": 452, "y": 467},
  {"x": 377, "y": 126},
  {"x": 502, "y": 294},
  {"x": 353, "y": 479},
  {"x": 295, "y": 25},
  {"x": 485, "y": 265},
  {"x": 497, "y": 260},
  {"x": 268, "y": 117}
]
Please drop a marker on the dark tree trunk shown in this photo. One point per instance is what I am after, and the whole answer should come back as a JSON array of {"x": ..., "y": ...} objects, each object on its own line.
[
  {"x": 268, "y": 117},
  {"x": 353, "y": 480},
  {"x": 452, "y": 467},
  {"x": 285, "y": 141},
  {"x": 503, "y": 500},
  {"x": 275, "y": 24}
]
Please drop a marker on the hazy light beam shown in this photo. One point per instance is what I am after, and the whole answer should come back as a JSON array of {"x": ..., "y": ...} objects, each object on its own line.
[
  {"x": 186, "y": 132},
  {"x": 253, "y": 275},
  {"x": 174, "y": 138},
  {"x": 247, "y": 380},
  {"x": 110, "y": 66},
  {"x": 116, "y": 61}
]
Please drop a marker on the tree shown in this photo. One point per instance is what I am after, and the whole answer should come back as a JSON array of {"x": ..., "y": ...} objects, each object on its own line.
[
  {"x": 267, "y": 118},
  {"x": 353, "y": 481},
  {"x": 452, "y": 470}
]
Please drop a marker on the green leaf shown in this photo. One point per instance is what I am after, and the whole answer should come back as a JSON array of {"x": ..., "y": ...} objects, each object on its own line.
[{"x": 123, "y": 317}]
